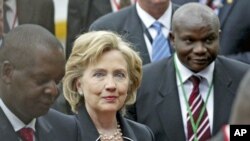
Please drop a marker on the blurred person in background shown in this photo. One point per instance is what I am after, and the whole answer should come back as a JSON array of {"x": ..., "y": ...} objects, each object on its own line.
[
  {"x": 17, "y": 12},
  {"x": 82, "y": 13},
  {"x": 140, "y": 24},
  {"x": 1, "y": 22},
  {"x": 240, "y": 112}
]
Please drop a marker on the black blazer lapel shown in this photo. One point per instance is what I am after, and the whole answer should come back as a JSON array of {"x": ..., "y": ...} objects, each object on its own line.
[
  {"x": 6, "y": 130},
  {"x": 224, "y": 12},
  {"x": 168, "y": 106},
  {"x": 223, "y": 95},
  {"x": 91, "y": 134},
  {"x": 126, "y": 129}
]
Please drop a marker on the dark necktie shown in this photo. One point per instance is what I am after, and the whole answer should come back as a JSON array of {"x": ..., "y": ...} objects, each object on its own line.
[
  {"x": 160, "y": 46},
  {"x": 124, "y": 3},
  {"x": 196, "y": 104},
  {"x": 6, "y": 24},
  {"x": 26, "y": 134}
]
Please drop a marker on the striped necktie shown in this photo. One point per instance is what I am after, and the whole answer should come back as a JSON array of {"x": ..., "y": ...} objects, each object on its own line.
[
  {"x": 160, "y": 46},
  {"x": 196, "y": 104}
]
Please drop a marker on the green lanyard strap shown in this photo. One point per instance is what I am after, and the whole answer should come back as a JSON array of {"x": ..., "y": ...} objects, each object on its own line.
[{"x": 194, "y": 125}]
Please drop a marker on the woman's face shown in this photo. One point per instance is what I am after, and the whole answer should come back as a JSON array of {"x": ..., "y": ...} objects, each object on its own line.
[{"x": 104, "y": 85}]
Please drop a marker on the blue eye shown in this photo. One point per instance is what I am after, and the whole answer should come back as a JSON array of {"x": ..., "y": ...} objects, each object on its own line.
[
  {"x": 120, "y": 75},
  {"x": 98, "y": 74}
]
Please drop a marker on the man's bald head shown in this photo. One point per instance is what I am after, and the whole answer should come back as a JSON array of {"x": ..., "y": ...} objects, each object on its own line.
[
  {"x": 193, "y": 14},
  {"x": 20, "y": 45}
]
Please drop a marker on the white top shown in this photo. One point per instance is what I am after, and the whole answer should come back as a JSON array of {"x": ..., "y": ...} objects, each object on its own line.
[
  {"x": 148, "y": 20},
  {"x": 207, "y": 75}
]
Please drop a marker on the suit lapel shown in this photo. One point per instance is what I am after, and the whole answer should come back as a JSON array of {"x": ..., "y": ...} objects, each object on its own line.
[
  {"x": 224, "y": 11},
  {"x": 223, "y": 95},
  {"x": 86, "y": 123},
  {"x": 171, "y": 117},
  {"x": 44, "y": 130},
  {"x": 6, "y": 130},
  {"x": 133, "y": 31}
]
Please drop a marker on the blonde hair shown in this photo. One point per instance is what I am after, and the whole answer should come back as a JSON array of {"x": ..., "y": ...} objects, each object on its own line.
[{"x": 87, "y": 49}]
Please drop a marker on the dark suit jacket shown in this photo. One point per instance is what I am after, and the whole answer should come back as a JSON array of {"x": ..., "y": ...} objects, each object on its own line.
[
  {"x": 81, "y": 13},
  {"x": 158, "y": 104},
  {"x": 39, "y": 12},
  {"x": 235, "y": 26},
  {"x": 219, "y": 137},
  {"x": 127, "y": 23},
  {"x": 130, "y": 129},
  {"x": 53, "y": 126}
]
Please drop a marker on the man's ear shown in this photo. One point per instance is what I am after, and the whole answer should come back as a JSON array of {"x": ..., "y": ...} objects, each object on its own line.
[{"x": 7, "y": 70}]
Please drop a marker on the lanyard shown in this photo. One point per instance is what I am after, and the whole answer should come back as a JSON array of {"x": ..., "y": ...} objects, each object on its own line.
[{"x": 194, "y": 125}]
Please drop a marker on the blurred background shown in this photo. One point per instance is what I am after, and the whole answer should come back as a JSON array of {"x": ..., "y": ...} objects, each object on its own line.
[{"x": 60, "y": 19}]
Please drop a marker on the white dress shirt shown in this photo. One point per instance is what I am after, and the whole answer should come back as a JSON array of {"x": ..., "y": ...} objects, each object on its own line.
[
  {"x": 207, "y": 75},
  {"x": 16, "y": 123},
  {"x": 148, "y": 20}
]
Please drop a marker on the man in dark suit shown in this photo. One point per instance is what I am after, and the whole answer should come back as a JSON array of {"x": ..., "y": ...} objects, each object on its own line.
[
  {"x": 235, "y": 28},
  {"x": 39, "y": 12},
  {"x": 81, "y": 13},
  {"x": 31, "y": 66},
  {"x": 240, "y": 111},
  {"x": 163, "y": 98},
  {"x": 135, "y": 23}
]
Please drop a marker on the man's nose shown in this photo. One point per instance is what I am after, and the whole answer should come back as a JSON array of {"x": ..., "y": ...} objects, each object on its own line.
[
  {"x": 199, "y": 48},
  {"x": 52, "y": 88}
]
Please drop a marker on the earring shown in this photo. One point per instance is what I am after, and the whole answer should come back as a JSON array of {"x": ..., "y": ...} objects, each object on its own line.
[{"x": 81, "y": 93}]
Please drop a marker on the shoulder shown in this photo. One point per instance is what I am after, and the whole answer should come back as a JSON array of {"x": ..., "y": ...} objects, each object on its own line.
[
  {"x": 64, "y": 127},
  {"x": 232, "y": 64},
  {"x": 113, "y": 19},
  {"x": 141, "y": 131},
  {"x": 158, "y": 67},
  {"x": 57, "y": 118}
]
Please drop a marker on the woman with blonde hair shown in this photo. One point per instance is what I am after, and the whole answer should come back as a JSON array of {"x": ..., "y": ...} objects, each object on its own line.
[{"x": 103, "y": 73}]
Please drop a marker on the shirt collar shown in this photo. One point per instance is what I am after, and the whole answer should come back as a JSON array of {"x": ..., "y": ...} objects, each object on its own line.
[
  {"x": 148, "y": 20},
  {"x": 16, "y": 123},
  {"x": 12, "y": 4},
  {"x": 185, "y": 73}
]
